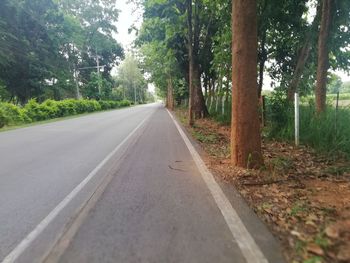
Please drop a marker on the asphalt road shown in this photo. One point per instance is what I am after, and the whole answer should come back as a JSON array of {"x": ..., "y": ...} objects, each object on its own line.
[
  {"x": 155, "y": 208},
  {"x": 41, "y": 165}
]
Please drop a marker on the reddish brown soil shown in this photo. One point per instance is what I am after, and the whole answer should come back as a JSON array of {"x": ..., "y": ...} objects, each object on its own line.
[{"x": 303, "y": 197}]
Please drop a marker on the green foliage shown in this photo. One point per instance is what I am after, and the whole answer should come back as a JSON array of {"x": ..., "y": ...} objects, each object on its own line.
[
  {"x": 3, "y": 119},
  {"x": 342, "y": 96},
  {"x": 219, "y": 116},
  {"x": 132, "y": 83},
  {"x": 124, "y": 103},
  {"x": 334, "y": 84},
  {"x": 279, "y": 114},
  {"x": 14, "y": 114},
  {"x": 328, "y": 133},
  {"x": 45, "y": 44},
  {"x": 11, "y": 114},
  {"x": 346, "y": 87}
]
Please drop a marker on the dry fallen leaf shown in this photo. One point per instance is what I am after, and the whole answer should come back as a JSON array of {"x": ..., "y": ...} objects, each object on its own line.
[
  {"x": 344, "y": 253},
  {"x": 304, "y": 194},
  {"x": 332, "y": 231},
  {"x": 315, "y": 249}
]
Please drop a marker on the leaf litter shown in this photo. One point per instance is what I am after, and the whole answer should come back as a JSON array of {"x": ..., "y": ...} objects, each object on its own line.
[{"x": 302, "y": 196}]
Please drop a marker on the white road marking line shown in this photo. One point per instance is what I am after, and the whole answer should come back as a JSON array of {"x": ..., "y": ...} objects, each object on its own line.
[
  {"x": 246, "y": 243},
  {"x": 28, "y": 240}
]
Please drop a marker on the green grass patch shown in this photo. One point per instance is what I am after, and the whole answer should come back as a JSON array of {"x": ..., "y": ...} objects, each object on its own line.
[
  {"x": 328, "y": 133},
  {"x": 219, "y": 114}
]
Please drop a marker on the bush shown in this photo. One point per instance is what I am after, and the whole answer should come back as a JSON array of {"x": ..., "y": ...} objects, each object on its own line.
[
  {"x": 66, "y": 107},
  {"x": 124, "y": 103},
  {"x": 279, "y": 116},
  {"x": 105, "y": 105},
  {"x": 50, "y": 109},
  {"x": 3, "y": 119},
  {"x": 11, "y": 114},
  {"x": 14, "y": 114}
]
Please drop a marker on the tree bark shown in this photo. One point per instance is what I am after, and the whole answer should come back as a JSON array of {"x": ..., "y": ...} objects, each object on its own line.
[
  {"x": 190, "y": 62},
  {"x": 302, "y": 58},
  {"x": 170, "y": 95},
  {"x": 323, "y": 59},
  {"x": 245, "y": 129},
  {"x": 197, "y": 107}
]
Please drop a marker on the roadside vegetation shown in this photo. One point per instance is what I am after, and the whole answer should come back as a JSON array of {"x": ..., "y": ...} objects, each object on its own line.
[
  {"x": 301, "y": 194},
  {"x": 210, "y": 66},
  {"x": 13, "y": 115},
  {"x": 210, "y": 61},
  {"x": 57, "y": 59}
]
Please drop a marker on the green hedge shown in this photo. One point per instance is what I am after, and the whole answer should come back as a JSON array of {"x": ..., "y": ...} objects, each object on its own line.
[{"x": 11, "y": 114}]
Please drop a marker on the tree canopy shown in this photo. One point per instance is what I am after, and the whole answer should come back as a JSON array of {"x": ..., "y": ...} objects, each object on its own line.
[{"x": 48, "y": 48}]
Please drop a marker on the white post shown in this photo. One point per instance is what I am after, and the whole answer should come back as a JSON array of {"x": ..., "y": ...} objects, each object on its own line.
[{"x": 296, "y": 118}]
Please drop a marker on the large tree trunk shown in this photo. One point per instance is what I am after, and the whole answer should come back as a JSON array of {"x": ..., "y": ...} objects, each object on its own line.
[
  {"x": 170, "y": 95},
  {"x": 190, "y": 62},
  {"x": 199, "y": 107},
  {"x": 323, "y": 59},
  {"x": 245, "y": 131}
]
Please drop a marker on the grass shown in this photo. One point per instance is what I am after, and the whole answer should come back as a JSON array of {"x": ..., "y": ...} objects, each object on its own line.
[
  {"x": 298, "y": 208},
  {"x": 205, "y": 138},
  {"x": 217, "y": 114},
  {"x": 342, "y": 96},
  {"x": 328, "y": 133}
]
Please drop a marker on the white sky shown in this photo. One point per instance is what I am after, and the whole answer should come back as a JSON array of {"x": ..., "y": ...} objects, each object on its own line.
[{"x": 126, "y": 19}]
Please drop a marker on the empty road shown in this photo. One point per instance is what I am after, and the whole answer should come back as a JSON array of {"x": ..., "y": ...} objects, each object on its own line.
[{"x": 158, "y": 204}]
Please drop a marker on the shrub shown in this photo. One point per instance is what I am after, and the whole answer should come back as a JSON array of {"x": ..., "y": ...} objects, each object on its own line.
[
  {"x": 93, "y": 105},
  {"x": 66, "y": 107},
  {"x": 14, "y": 114},
  {"x": 50, "y": 109},
  {"x": 11, "y": 114},
  {"x": 279, "y": 115},
  {"x": 124, "y": 103},
  {"x": 3, "y": 119},
  {"x": 34, "y": 111},
  {"x": 105, "y": 105},
  {"x": 79, "y": 106}
]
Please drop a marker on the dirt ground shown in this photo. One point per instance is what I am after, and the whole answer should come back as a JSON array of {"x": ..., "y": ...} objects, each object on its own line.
[{"x": 302, "y": 196}]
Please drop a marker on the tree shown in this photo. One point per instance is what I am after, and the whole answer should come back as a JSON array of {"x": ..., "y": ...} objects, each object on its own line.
[
  {"x": 323, "y": 53},
  {"x": 197, "y": 107},
  {"x": 245, "y": 129},
  {"x": 334, "y": 84},
  {"x": 131, "y": 79},
  {"x": 303, "y": 55},
  {"x": 44, "y": 43}
]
